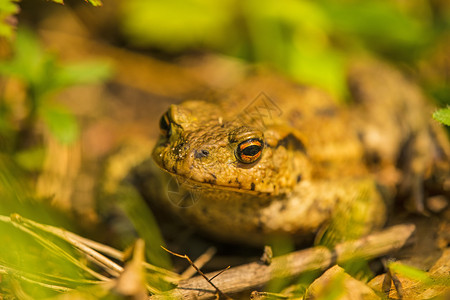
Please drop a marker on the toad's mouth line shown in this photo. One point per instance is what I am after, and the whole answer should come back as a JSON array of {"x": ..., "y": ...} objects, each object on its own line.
[{"x": 192, "y": 184}]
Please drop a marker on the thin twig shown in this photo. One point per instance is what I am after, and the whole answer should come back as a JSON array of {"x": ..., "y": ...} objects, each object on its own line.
[
  {"x": 219, "y": 292},
  {"x": 199, "y": 262},
  {"x": 105, "y": 249},
  {"x": 398, "y": 285},
  {"x": 218, "y": 274}
]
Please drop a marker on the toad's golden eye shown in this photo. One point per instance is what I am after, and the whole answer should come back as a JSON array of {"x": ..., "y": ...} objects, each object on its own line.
[
  {"x": 164, "y": 125},
  {"x": 249, "y": 151}
]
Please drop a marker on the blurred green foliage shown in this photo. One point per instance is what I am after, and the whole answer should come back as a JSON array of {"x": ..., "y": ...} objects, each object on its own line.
[
  {"x": 21, "y": 254},
  {"x": 21, "y": 251},
  {"x": 7, "y": 10},
  {"x": 40, "y": 76},
  {"x": 138, "y": 212},
  {"x": 443, "y": 116},
  {"x": 43, "y": 76},
  {"x": 176, "y": 25},
  {"x": 310, "y": 40}
]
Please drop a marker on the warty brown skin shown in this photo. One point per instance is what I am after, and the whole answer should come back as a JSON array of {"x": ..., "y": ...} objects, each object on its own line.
[{"x": 321, "y": 166}]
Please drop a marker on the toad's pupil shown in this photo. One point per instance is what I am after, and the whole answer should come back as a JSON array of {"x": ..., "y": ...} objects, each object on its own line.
[{"x": 251, "y": 150}]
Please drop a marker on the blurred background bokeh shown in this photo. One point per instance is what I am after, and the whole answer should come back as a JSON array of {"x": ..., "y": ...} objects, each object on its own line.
[{"x": 82, "y": 89}]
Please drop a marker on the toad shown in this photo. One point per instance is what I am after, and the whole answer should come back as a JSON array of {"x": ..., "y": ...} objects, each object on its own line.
[{"x": 273, "y": 158}]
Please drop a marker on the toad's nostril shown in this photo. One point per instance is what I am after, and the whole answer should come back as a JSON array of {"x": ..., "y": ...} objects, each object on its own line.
[{"x": 201, "y": 153}]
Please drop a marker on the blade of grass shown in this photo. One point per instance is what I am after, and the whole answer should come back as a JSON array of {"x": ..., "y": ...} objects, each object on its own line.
[
  {"x": 85, "y": 245},
  {"x": 47, "y": 278},
  {"x": 109, "y": 266},
  {"x": 52, "y": 247},
  {"x": 26, "y": 277}
]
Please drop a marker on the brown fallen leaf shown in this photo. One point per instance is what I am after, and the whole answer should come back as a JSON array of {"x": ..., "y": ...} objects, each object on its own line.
[{"x": 335, "y": 283}]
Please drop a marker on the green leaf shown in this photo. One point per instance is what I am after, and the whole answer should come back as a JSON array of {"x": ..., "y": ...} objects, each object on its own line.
[
  {"x": 7, "y": 10},
  {"x": 31, "y": 159},
  {"x": 144, "y": 222},
  {"x": 410, "y": 272},
  {"x": 319, "y": 66},
  {"x": 86, "y": 72},
  {"x": 43, "y": 75},
  {"x": 41, "y": 71},
  {"x": 442, "y": 115},
  {"x": 95, "y": 2},
  {"x": 29, "y": 62},
  {"x": 7, "y": 7},
  {"x": 186, "y": 23},
  {"x": 380, "y": 25},
  {"x": 61, "y": 123}
]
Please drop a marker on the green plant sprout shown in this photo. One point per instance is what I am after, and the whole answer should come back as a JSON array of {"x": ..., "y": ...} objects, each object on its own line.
[{"x": 442, "y": 115}]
